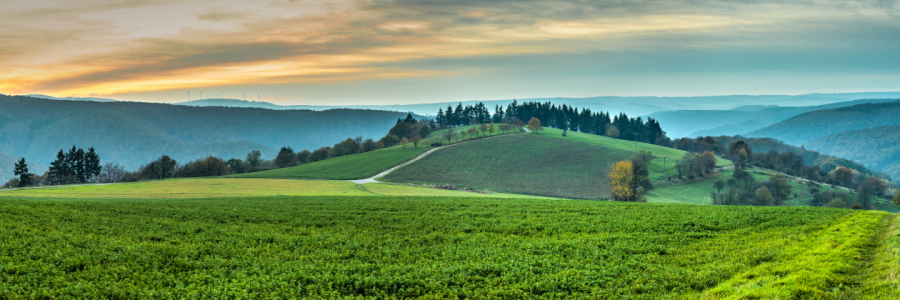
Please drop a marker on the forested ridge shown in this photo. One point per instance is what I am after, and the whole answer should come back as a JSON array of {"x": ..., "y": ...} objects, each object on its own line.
[
  {"x": 877, "y": 147},
  {"x": 806, "y": 127},
  {"x": 133, "y": 133}
]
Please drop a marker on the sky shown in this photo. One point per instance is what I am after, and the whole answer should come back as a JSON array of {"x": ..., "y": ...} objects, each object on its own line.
[{"x": 401, "y": 52}]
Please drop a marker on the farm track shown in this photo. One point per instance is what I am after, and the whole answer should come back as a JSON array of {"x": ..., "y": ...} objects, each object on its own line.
[{"x": 374, "y": 179}]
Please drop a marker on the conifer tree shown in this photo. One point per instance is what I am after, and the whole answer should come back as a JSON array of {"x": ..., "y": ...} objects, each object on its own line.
[{"x": 21, "y": 170}]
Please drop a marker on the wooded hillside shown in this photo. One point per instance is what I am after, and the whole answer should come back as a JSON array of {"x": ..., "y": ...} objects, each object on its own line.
[{"x": 132, "y": 133}]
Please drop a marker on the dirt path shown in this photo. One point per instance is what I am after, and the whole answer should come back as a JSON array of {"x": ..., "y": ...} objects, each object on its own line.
[
  {"x": 373, "y": 179},
  {"x": 388, "y": 171}
]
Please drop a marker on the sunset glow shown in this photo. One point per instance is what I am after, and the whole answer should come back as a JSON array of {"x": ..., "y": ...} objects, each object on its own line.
[{"x": 155, "y": 50}]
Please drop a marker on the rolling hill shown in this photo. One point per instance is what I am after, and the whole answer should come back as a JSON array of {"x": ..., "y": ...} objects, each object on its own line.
[
  {"x": 877, "y": 148},
  {"x": 521, "y": 164},
  {"x": 803, "y": 128},
  {"x": 132, "y": 134},
  {"x": 694, "y": 123}
]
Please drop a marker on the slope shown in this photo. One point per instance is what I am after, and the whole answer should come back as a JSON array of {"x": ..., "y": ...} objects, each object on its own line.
[
  {"x": 132, "y": 133},
  {"x": 657, "y": 166},
  {"x": 521, "y": 164},
  {"x": 809, "y": 126},
  {"x": 876, "y": 148},
  {"x": 348, "y": 167}
]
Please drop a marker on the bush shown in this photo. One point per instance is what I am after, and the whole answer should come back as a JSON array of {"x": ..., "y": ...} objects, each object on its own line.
[
  {"x": 438, "y": 144},
  {"x": 838, "y": 203}
]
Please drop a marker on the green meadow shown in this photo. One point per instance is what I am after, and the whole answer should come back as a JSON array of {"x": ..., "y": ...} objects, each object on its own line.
[
  {"x": 348, "y": 167},
  {"x": 520, "y": 164},
  {"x": 437, "y": 247}
]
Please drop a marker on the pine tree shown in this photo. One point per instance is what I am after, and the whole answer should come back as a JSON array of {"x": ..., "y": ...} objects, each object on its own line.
[
  {"x": 58, "y": 168},
  {"x": 80, "y": 166},
  {"x": 21, "y": 170},
  {"x": 92, "y": 164}
]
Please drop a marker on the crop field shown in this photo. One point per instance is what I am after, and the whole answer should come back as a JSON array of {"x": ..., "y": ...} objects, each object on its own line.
[
  {"x": 348, "y": 167},
  {"x": 436, "y": 247},
  {"x": 221, "y": 187},
  {"x": 520, "y": 164}
]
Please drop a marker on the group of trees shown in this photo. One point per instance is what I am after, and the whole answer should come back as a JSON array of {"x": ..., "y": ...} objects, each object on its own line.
[
  {"x": 561, "y": 117},
  {"x": 74, "y": 166},
  {"x": 783, "y": 158},
  {"x": 745, "y": 190},
  {"x": 695, "y": 165},
  {"x": 406, "y": 131},
  {"x": 629, "y": 180}
]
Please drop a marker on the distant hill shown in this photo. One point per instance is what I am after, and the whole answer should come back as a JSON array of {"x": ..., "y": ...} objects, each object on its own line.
[
  {"x": 247, "y": 104},
  {"x": 809, "y": 126},
  {"x": 693, "y": 123},
  {"x": 877, "y": 148},
  {"x": 72, "y": 98},
  {"x": 731, "y": 129},
  {"x": 631, "y": 105},
  {"x": 133, "y": 133}
]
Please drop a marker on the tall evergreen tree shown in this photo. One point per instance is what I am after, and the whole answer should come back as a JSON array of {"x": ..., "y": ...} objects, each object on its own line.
[
  {"x": 92, "y": 164},
  {"x": 21, "y": 170},
  {"x": 80, "y": 166},
  {"x": 58, "y": 169}
]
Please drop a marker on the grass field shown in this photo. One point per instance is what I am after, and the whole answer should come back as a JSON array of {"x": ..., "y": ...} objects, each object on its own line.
[
  {"x": 220, "y": 187},
  {"x": 435, "y": 247},
  {"x": 657, "y": 166},
  {"x": 883, "y": 279},
  {"x": 520, "y": 164},
  {"x": 349, "y": 167},
  {"x": 386, "y": 189}
]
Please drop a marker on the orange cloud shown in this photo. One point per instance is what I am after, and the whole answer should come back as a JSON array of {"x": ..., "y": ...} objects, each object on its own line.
[{"x": 99, "y": 47}]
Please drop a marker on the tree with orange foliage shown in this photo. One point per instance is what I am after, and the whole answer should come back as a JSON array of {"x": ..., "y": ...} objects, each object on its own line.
[
  {"x": 534, "y": 124},
  {"x": 622, "y": 182}
]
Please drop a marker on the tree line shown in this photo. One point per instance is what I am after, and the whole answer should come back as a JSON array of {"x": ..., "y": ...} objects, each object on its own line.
[{"x": 563, "y": 116}]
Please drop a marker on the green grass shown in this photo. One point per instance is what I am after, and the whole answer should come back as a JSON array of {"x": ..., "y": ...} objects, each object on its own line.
[
  {"x": 657, "y": 166},
  {"x": 883, "y": 278},
  {"x": 348, "y": 167},
  {"x": 387, "y": 189},
  {"x": 437, "y": 136},
  {"x": 232, "y": 187},
  {"x": 431, "y": 247},
  {"x": 362, "y": 165},
  {"x": 520, "y": 164},
  {"x": 197, "y": 188}
]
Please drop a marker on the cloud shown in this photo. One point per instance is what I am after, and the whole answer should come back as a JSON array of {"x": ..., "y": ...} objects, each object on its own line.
[{"x": 92, "y": 47}]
